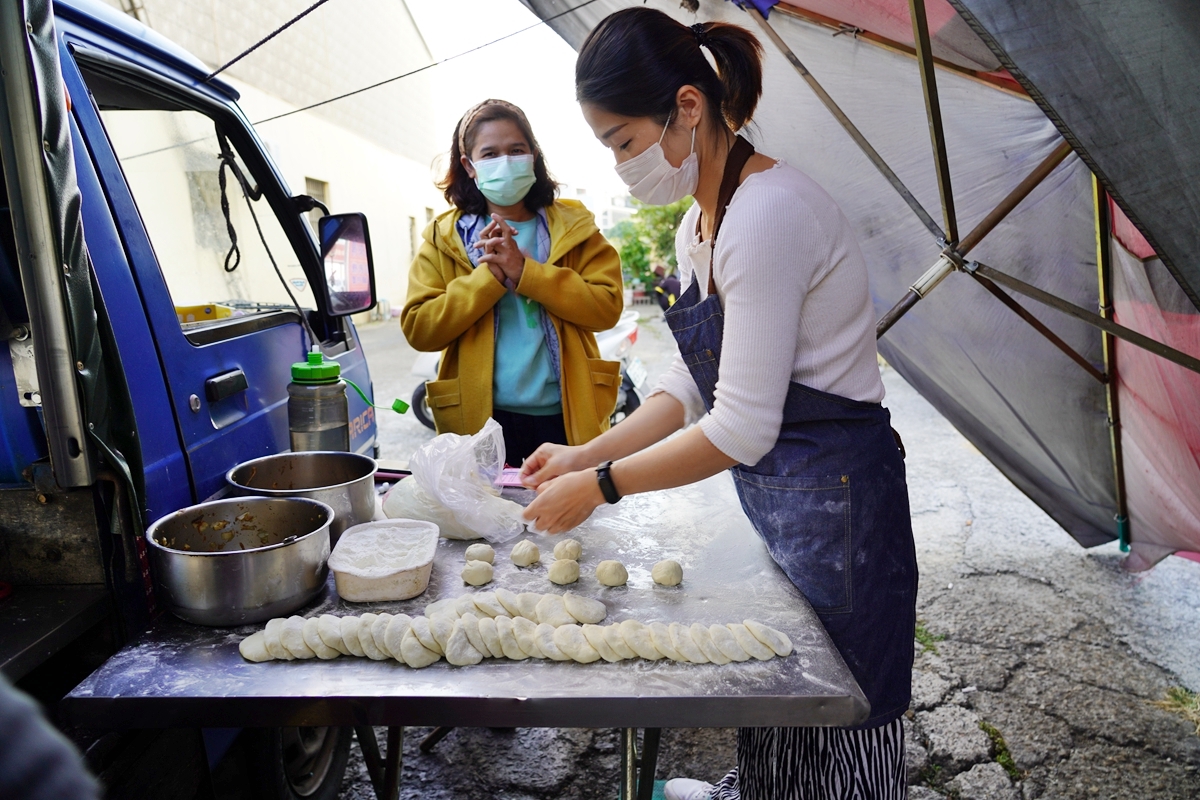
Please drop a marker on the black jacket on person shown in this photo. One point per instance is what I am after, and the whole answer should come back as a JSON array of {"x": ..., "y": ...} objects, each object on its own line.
[{"x": 666, "y": 291}]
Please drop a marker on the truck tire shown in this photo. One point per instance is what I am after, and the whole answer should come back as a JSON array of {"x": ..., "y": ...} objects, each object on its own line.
[
  {"x": 421, "y": 409},
  {"x": 299, "y": 763}
]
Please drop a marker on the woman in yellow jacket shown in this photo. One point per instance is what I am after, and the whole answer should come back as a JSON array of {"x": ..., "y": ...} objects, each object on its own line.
[{"x": 511, "y": 284}]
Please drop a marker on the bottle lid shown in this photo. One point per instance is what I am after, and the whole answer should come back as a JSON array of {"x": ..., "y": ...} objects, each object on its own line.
[{"x": 316, "y": 369}]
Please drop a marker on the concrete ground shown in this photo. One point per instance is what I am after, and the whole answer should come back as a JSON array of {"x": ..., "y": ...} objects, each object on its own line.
[{"x": 1035, "y": 680}]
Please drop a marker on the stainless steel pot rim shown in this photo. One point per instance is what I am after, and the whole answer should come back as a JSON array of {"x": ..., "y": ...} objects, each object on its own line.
[
  {"x": 206, "y": 506},
  {"x": 301, "y": 454}
]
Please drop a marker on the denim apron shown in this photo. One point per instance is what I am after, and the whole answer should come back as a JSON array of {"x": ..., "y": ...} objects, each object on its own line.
[{"x": 831, "y": 503}]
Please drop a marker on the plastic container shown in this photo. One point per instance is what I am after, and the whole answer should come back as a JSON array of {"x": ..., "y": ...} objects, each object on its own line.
[
  {"x": 318, "y": 414},
  {"x": 385, "y": 560}
]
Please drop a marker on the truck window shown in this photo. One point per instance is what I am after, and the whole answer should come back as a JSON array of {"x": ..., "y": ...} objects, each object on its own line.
[{"x": 172, "y": 158}]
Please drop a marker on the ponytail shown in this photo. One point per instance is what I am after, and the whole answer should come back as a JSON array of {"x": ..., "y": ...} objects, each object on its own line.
[{"x": 635, "y": 61}]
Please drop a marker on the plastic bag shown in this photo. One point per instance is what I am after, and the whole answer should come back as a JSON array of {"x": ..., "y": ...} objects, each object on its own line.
[
  {"x": 460, "y": 473},
  {"x": 407, "y": 500}
]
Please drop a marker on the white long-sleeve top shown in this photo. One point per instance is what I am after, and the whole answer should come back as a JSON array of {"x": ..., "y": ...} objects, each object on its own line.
[{"x": 793, "y": 285}]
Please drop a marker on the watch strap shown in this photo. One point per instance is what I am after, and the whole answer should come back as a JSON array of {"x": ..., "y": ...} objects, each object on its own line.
[{"x": 604, "y": 478}]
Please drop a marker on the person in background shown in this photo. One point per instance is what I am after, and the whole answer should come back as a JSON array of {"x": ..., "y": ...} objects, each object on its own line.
[
  {"x": 666, "y": 287},
  {"x": 36, "y": 761},
  {"x": 511, "y": 284}
]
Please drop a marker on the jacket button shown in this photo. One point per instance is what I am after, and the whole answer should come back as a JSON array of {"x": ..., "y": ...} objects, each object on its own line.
[{"x": 845, "y": 479}]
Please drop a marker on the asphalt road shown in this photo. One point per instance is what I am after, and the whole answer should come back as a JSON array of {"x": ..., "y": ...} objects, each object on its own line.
[{"x": 1055, "y": 648}]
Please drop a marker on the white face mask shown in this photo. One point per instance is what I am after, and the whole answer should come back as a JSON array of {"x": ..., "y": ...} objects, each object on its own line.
[{"x": 652, "y": 179}]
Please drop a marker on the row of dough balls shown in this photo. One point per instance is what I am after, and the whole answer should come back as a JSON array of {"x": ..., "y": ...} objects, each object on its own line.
[
  {"x": 467, "y": 640},
  {"x": 565, "y": 568}
]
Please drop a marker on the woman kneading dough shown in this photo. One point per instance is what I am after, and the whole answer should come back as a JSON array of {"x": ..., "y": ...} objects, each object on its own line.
[{"x": 766, "y": 257}]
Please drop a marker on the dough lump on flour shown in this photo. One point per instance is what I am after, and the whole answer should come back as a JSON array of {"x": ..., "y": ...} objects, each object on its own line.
[
  {"x": 481, "y": 552},
  {"x": 254, "y": 648},
  {"x": 564, "y": 571},
  {"x": 611, "y": 573},
  {"x": 568, "y": 549},
  {"x": 525, "y": 553},
  {"x": 584, "y": 609},
  {"x": 667, "y": 573},
  {"x": 477, "y": 573}
]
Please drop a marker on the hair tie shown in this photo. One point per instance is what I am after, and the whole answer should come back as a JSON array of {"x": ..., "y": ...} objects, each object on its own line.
[{"x": 701, "y": 34}]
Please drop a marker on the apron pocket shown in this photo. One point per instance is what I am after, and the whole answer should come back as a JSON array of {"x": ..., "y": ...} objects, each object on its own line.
[
  {"x": 704, "y": 366},
  {"x": 445, "y": 401},
  {"x": 606, "y": 381},
  {"x": 805, "y": 523}
]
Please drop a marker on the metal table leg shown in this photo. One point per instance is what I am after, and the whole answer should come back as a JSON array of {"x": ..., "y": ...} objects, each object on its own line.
[
  {"x": 384, "y": 771},
  {"x": 648, "y": 763},
  {"x": 629, "y": 764}
]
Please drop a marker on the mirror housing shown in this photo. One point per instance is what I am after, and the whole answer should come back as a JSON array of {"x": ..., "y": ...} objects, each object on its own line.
[{"x": 346, "y": 260}]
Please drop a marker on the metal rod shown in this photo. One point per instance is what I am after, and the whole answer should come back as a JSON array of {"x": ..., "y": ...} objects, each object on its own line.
[
  {"x": 849, "y": 127},
  {"x": 1095, "y": 320},
  {"x": 369, "y": 747},
  {"x": 1041, "y": 328},
  {"x": 648, "y": 764},
  {"x": 897, "y": 311},
  {"x": 933, "y": 111},
  {"x": 393, "y": 764},
  {"x": 1104, "y": 270},
  {"x": 628, "y": 764}
]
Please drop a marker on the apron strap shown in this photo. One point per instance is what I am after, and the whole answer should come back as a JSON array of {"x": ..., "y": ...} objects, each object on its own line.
[{"x": 739, "y": 154}]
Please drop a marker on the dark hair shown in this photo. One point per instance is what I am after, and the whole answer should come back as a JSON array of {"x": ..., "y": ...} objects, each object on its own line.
[
  {"x": 460, "y": 189},
  {"x": 635, "y": 61}
]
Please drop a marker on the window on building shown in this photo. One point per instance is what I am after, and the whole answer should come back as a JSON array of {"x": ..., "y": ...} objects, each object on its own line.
[{"x": 318, "y": 190}]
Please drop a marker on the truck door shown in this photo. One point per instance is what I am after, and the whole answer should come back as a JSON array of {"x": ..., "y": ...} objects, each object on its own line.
[{"x": 219, "y": 253}]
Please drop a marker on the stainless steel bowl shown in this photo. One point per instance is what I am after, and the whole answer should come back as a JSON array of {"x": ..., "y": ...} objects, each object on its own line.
[
  {"x": 238, "y": 561},
  {"x": 345, "y": 481}
]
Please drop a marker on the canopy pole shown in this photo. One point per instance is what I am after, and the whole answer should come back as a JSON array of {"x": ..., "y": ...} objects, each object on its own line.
[
  {"x": 1104, "y": 269},
  {"x": 849, "y": 127},
  {"x": 933, "y": 111}
]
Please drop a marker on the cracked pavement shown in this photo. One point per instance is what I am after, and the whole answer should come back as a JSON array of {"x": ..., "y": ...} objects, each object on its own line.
[{"x": 1055, "y": 647}]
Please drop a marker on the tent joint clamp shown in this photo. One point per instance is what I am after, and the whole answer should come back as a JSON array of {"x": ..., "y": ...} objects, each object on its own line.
[{"x": 970, "y": 267}]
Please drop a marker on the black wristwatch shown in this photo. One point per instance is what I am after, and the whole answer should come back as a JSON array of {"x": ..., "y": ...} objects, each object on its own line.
[{"x": 604, "y": 478}]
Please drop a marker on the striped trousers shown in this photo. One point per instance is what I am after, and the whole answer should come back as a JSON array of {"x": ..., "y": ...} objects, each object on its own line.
[{"x": 817, "y": 764}]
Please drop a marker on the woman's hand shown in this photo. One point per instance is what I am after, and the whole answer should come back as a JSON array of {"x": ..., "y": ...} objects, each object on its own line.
[
  {"x": 565, "y": 502},
  {"x": 552, "y": 460},
  {"x": 501, "y": 251}
]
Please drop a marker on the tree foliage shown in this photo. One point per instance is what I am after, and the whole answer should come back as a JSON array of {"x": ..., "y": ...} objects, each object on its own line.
[{"x": 647, "y": 239}]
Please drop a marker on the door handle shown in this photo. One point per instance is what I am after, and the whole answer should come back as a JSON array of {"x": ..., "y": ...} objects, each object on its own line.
[{"x": 227, "y": 384}]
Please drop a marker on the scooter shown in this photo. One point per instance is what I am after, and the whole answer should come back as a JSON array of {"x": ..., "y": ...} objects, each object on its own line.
[{"x": 615, "y": 344}]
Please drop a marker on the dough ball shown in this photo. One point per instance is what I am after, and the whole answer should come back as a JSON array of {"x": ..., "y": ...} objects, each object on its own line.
[
  {"x": 470, "y": 624},
  {"x": 776, "y": 640},
  {"x": 612, "y": 635},
  {"x": 667, "y": 573},
  {"x": 703, "y": 640},
  {"x": 291, "y": 636},
  {"x": 379, "y": 634},
  {"x": 508, "y": 639},
  {"x": 570, "y": 640},
  {"x": 564, "y": 571},
  {"x": 637, "y": 636},
  {"x": 254, "y": 648},
  {"x": 330, "y": 629},
  {"x": 525, "y": 553},
  {"x": 611, "y": 573},
  {"x": 415, "y": 654},
  {"x": 477, "y": 573},
  {"x": 584, "y": 609},
  {"x": 481, "y": 552},
  {"x": 551, "y": 610},
  {"x": 271, "y": 640},
  {"x": 441, "y": 628},
  {"x": 682, "y": 641},
  {"x": 526, "y": 630},
  {"x": 365, "y": 638},
  {"x": 393, "y": 636},
  {"x": 459, "y": 650},
  {"x": 509, "y": 601},
  {"x": 722, "y": 637},
  {"x": 349, "y": 626},
  {"x": 446, "y": 607},
  {"x": 491, "y": 639},
  {"x": 312, "y": 638},
  {"x": 420, "y": 629},
  {"x": 568, "y": 550},
  {"x": 463, "y": 604},
  {"x": 595, "y": 636},
  {"x": 544, "y": 637},
  {"x": 661, "y": 635},
  {"x": 747, "y": 642},
  {"x": 527, "y": 604},
  {"x": 487, "y": 603}
]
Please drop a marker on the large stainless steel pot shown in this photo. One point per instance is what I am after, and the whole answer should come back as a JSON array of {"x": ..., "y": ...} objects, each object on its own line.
[
  {"x": 238, "y": 561},
  {"x": 345, "y": 481}
]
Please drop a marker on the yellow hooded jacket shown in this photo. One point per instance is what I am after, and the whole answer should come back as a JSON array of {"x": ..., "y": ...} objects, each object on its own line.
[{"x": 449, "y": 308}]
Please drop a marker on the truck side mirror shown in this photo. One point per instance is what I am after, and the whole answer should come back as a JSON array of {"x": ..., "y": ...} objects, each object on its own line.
[{"x": 349, "y": 270}]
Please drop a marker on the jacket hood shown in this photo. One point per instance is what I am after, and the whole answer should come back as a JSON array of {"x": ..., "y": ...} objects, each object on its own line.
[{"x": 571, "y": 223}]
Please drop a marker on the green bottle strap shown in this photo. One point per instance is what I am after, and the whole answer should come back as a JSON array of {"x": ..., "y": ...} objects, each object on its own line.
[{"x": 398, "y": 405}]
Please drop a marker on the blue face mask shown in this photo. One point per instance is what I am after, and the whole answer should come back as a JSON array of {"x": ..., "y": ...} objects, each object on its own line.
[{"x": 505, "y": 180}]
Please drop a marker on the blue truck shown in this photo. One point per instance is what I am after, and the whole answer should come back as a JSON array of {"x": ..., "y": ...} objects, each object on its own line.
[{"x": 157, "y": 280}]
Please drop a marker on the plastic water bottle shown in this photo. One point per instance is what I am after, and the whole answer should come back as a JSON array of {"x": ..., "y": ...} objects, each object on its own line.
[{"x": 318, "y": 414}]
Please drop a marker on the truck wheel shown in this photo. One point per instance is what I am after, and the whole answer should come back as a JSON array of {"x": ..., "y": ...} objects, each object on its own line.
[
  {"x": 421, "y": 409},
  {"x": 300, "y": 763}
]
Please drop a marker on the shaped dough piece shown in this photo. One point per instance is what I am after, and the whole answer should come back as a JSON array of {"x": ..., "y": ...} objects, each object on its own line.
[
  {"x": 747, "y": 642},
  {"x": 470, "y": 625},
  {"x": 291, "y": 636},
  {"x": 481, "y": 552},
  {"x": 420, "y": 628},
  {"x": 776, "y": 640},
  {"x": 312, "y": 638},
  {"x": 563, "y": 572},
  {"x": 416, "y": 655},
  {"x": 366, "y": 640},
  {"x": 667, "y": 573},
  {"x": 723, "y": 638},
  {"x": 553, "y": 611},
  {"x": 703, "y": 640},
  {"x": 477, "y": 573},
  {"x": 525, "y": 553},
  {"x": 441, "y": 628},
  {"x": 568, "y": 549},
  {"x": 443, "y": 608},
  {"x": 350, "y": 626},
  {"x": 394, "y": 635},
  {"x": 611, "y": 573},
  {"x": 486, "y": 603},
  {"x": 682, "y": 639},
  {"x": 379, "y": 634},
  {"x": 254, "y": 648},
  {"x": 271, "y": 640},
  {"x": 330, "y": 629},
  {"x": 544, "y": 636},
  {"x": 527, "y": 604},
  {"x": 585, "y": 610},
  {"x": 459, "y": 650},
  {"x": 508, "y": 600},
  {"x": 612, "y": 635},
  {"x": 508, "y": 640},
  {"x": 637, "y": 636},
  {"x": 595, "y": 636},
  {"x": 487, "y": 632},
  {"x": 526, "y": 630},
  {"x": 661, "y": 636},
  {"x": 465, "y": 604},
  {"x": 570, "y": 640}
]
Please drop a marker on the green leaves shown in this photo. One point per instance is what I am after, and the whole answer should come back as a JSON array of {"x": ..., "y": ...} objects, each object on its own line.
[{"x": 647, "y": 239}]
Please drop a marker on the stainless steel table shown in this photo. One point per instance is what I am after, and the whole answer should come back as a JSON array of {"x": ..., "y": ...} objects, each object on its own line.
[{"x": 181, "y": 675}]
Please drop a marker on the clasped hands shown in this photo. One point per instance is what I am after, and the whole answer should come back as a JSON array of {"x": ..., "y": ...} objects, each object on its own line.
[{"x": 500, "y": 252}]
